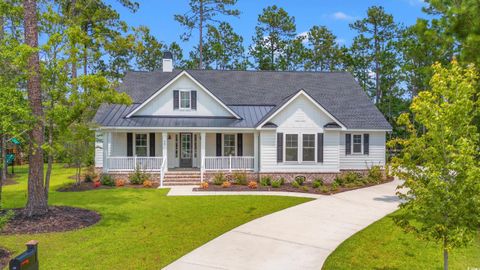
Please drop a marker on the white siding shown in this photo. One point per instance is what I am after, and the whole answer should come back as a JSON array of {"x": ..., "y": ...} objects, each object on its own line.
[
  {"x": 118, "y": 145},
  {"x": 248, "y": 144},
  {"x": 301, "y": 116},
  {"x": 376, "y": 154},
  {"x": 98, "y": 149},
  {"x": 172, "y": 160},
  {"x": 210, "y": 145},
  {"x": 163, "y": 103}
]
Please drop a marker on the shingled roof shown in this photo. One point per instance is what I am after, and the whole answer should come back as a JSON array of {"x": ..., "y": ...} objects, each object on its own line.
[{"x": 252, "y": 95}]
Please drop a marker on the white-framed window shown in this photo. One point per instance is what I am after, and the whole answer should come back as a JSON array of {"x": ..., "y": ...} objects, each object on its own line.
[
  {"x": 229, "y": 145},
  {"x": 308, "y": 147},
  {"x": 185, "y": 100},
  {"x": 176, "y": 145},
  {"x": 357, "y": 144},
  {"x": 141, "y": 144},
  {"x": 291, "y": 147}
]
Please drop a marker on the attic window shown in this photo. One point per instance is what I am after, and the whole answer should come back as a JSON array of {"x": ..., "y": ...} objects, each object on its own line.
[{"x": 185, "y": 100}]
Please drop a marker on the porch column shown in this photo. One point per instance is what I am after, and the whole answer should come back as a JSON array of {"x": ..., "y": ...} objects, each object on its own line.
[
  {"x": 255, "y": 152},
  {"x": 165, "y": 148},
  {"x": 106, "y": 150},
  {"x": 202, "y": 154}
]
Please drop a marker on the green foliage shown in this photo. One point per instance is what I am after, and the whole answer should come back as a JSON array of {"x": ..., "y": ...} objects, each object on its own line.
[
  {"x": 300, "y": 179},
  {"x": 224, "y": 48},
  {"x": 295, "y": 184},
  {"x": 5, "y": 217},
  {"x": 107, "y": 180},
  {"x": 277, "y": 183},
  {"x": 240, "y": 178},
  {"x": 219, "y": 178},
  {"x": 335, "y": 185},
  {"x": 305, "y": 188},
  {"x": 266, "y": 180},
  {"x": 440, "y": 165},
  {"x": 324, "y": 53},
  {"x": 317, "y": 183},
  {"x": 138, "y": 177},
  {"x": 90, "y": 174},
  {"x": 375, "y": 174}
]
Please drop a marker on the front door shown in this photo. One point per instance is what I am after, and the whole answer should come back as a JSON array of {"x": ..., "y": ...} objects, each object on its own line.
[{"x": 186, "y": 150}]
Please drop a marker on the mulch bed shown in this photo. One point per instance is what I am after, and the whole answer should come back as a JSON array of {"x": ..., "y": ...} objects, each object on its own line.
[
  {"x": 58, "y": 219},
  {"x": 4, "y": 258},
  {"x": 85, "y": 186},
  {"x": 286, "y": 188}
]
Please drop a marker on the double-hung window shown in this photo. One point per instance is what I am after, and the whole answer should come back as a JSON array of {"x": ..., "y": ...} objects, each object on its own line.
[
  {"x": 185, "y": 100},
  {"x": 291, "y": 147},
  {"x": 308, "y": 147},
  {"x": 357, "y": 144},
  {"x": 229, "y": 144},
  {"x": 141, "y": 145}
]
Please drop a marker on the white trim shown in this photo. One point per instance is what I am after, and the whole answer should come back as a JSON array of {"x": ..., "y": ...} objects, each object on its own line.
[
  {"x": 189, "y": 108},
  {"x": 175, "y": 128},
  {"x": 235, "y": 150},
  {"x": 361, "y": 153},
  {"x": 300, "y": 160},
  {"x": 369, "y": 130},
  {"x": 301, "y": 92},
  {"x": 135, "y": 144},
  {"x": 170, "y": 83}
]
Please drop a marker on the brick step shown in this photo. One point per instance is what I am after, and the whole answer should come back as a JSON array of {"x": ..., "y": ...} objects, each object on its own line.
[
  {"x": 182, "y": 183},
  {"x": 182, "y": 180}
]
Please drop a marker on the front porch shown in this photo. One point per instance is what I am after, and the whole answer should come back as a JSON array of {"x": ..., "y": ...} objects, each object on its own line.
[{"x": 159, "y": 152}]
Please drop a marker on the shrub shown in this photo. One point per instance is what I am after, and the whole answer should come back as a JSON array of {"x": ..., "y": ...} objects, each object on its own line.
[
  {"x": 107, "y": 180},
  {"x": 300, "y": 179},
  {"x": 90, "y": 175},
  {"x": 138, "y": 176},
  {"x": 266, "y": 181},
  {"x": 282, "y": 181},
  {"x": 219, "y": 178},
  {"x": 375, "y": 174},
  {"x": 352, "y": 178},
  {"x": 226, "y": 184},
  {"x": 240, "y": 178},
  {"x": 96, "y": 184},
  {"x": 252, "y": 184},
  {"x": 325, "y": 189},
  {"x": 317, "y": 183},
  {"x": 305, "y": 188},
  {"x": 276, "y": 183},
  {"x": 5, "y": 217},
  {"x": 334, "y": 186},
  {"x": 204, "y": 185},
  {"x": 339, "y": 180},
  {"x": 295, "y": 184},
  {"x": 119, "y": 182},
  {"x": 147, "y": 184}
]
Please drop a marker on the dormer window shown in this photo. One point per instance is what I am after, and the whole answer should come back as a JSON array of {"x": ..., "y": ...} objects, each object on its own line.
[{"x": 185, "y": 100}]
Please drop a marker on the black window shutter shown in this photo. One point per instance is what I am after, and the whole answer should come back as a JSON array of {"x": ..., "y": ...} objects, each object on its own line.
[
  {"x": 319, "y": 147},
  {"x": 366, "y": 144},
  {"x": 175, "y": 99},
  {"x": 152, "y": 144},
  {"x": 279, "y": 147},
  {"x": 239, "y": 144},
  {"x": 219, "y": 144},
  {"x": 194, "y": 99},
  {"x": 129, "y": 144},
  {"x": 348, "y": 144}
]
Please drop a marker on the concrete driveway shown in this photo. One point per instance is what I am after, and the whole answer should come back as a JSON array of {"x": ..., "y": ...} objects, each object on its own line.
[{"x": 300, "y": 237}]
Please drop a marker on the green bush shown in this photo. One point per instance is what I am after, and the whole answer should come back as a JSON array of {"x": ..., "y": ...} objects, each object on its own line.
[
  {"x": 138, "y": 177},
  {"x": 266, "y": 181},
  {"x": 282, "y": 181},
  {"x": 324, "y": 189},
  {"x": 219, "y": 178},
  {"x": 5, "y": 218},
  {"x": 305, "y": 188},
  {"x": 295, "y": 184},
  {"x": 107, "y": 180},
  {"x": 334, "y": 186},
  {"x": 375, "y": 174},
  {"x": 352, "y": 177},
  {"x": 90, "y": 174},
  {"x": 300, "y": 179},
  {"x": 317, "y": 183},
  {"x": 240, "y": 178},
  {"x": 277, "y": 183}
]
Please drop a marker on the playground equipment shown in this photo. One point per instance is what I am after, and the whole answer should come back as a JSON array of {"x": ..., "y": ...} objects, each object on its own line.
[{"x": 11, "y": 156}]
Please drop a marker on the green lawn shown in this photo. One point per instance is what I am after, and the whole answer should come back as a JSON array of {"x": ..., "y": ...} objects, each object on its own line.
[
  {"x": 383, "y": 245},
  {"x": 140, "y": 228}
]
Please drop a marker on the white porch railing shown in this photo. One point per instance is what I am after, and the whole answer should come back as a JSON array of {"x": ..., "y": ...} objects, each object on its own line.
[
  {"x": 149, "y": 164},
  {"x": 230, "y": 163},
  {"x": 162, "y": 171}
]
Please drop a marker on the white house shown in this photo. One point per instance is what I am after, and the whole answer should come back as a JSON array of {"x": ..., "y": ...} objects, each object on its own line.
[{"x": 264, "y": 122}]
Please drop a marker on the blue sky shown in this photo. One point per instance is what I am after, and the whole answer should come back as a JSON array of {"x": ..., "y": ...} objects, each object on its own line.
[{"x": 336, "y": 15}]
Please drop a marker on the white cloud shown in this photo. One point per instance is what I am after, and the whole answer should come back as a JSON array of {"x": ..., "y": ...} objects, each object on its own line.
[
  {"x": 342, "y": 16},
  {"x": 416, "y": 2},
  {"x": 304, "y": 36},
  {"x": 341, "y": 41}
]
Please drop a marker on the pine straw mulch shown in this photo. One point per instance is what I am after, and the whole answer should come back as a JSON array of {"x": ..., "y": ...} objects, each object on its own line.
[
  {"x": 4, "y": 258},
  {"x": 57, "y": 219}
]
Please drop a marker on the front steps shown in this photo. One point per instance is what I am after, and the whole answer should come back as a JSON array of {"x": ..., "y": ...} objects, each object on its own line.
[{"x": 178, "y": 178}]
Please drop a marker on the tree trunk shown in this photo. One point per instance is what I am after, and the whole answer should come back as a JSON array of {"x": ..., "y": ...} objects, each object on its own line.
[
  {"x": 445, "y": 255},
  {"x": 37, "y": 202},
  {"x": 200, "y": 46},
  {"x": 49, "y": 158},
  {"x": 3, "y": 160},
  {"x": 4, "y": 169}
]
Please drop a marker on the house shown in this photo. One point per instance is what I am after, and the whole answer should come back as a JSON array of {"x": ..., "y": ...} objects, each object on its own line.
[{"x": 198, "y": 122}]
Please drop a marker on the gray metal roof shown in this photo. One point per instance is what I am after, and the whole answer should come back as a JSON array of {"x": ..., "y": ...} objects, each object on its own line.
[
  {"x": 114, "y": 116},
  {"x": 337, "y": 92}
]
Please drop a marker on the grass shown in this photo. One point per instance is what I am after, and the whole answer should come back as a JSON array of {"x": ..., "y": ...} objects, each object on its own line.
[
  {"x": 140, "y": 228},
  {"x": 383, "y": 245}
]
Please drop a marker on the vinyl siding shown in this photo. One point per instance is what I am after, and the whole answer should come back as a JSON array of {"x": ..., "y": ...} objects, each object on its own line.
[
  {"x": 360, "y": 161},
  {"x": 99, "y": 149}
]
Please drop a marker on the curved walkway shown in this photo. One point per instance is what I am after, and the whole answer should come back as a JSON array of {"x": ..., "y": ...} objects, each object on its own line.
[{"x": 299, "y": 237}]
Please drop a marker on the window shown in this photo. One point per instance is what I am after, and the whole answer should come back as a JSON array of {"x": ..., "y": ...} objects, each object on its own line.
[
  {"x": 176, "y": 145},
  {"x": 357, "y": 144},
  {"x": 229, "y": 144},
  {"x": 141, "y": 145},
  {"x": 185, "y": 102},
  {"x": 308, "y": 147},
  {"x": 195, "y": 145},
  {"x": 291, "y": 147}
]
